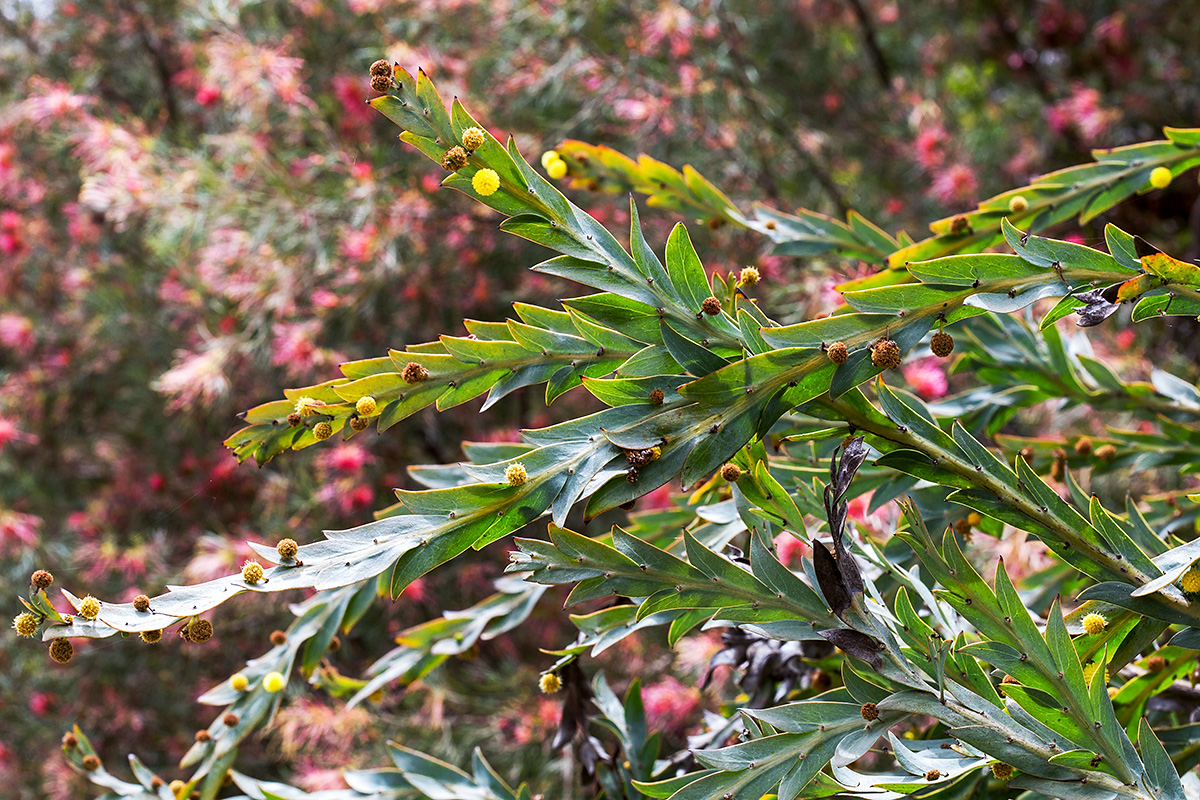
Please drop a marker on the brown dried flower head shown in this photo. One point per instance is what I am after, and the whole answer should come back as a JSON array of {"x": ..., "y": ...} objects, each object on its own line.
[
  {"x": 657, "y": 396},
  {"x": 885, "y": 354},
  {"x": 41, "y": 579},
  {"x": 230, "y": 719},
  {"x": 1106, "y": 452},
  {"x": 91, "y": 763},
  {"x": 870, "y": 712},
  {"x": 141, "y": 603},
  {"x": 201, "y": 630},
  {"x": 358, "y": 424},
  {"x": 711, "y": 306},
  {"x": 203, "y": 736},
  {"x": 61, "y": 650},
  {"x": 287, "y": 548},
  {"x": 731, "y": 472},
  {"x": 70, "y": 740},
  {"x": 932, "y": 775},
  {"x": 278, "y": 637},
  {"x": 454, "y": 159},
  {"x": 941, "y": 344},
  {"x": 838, "y": 353},
  {"x": 414, "y": 373},
  {"x": 1083, "y": 446},
  {"x": 381, "y": 83},
  {"x": 151, "y": 637},
  {"x": 381, "y": 67}
]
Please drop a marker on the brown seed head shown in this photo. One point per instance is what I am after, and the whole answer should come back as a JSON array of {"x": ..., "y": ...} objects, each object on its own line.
[
  {"x": 381, "y": 67},
  {"x": 359, "y": 424},
  {"x": 203, "y": 736},
  {"x": 61, "y": 650},
  {"x": 1106, "y": 452},
  {"x": 70, "y": 740},
  {"x": 657, "y": 396},
  {"x": 962, "y": 527},
  {"x": 201, "y": 630},
  {"x": 91, "y": 763},
  {"x": 885, "y": 354},
  {"x": 1156, "y": 663},
  {"x": 1002, "y": 771},
  {"x": 870, "y": 712},
  {"x": 278, "y": 637},
  {"x": 821, "y": 681},
  {"x": 942, "y": 344},
  {"x": 932, "y": 775},
  {"x": 141, "y": 603},
  {"x": 293, "y": 419},
  {"x": 837, "y": 353},
  {"x": 1083, "y": 446},
  {"x": 322, "y": 431},
  {"x": 960, "y": 225},
  {"x": 1058, "y": 469},
  {"x": 454, "y": 159},
  {"x": 156, "y": 782},
  {"x": 41, "y": 579},
  {"x": 150, "y": 637},
  {"x": 414, "y": 373},
  {"x": 711, "y": 306},
  {"x": 381, "y": 83},
  {"x": 230, "y": 719},
  {"x": 731, "y": 472}
]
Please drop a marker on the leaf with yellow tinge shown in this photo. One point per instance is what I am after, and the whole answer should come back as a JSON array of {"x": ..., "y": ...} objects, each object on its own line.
[{"x": 1166, "y": 267}]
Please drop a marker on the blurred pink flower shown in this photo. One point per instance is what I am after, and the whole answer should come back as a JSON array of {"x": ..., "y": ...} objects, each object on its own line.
[
  {"x": 955, "y": 184},
  {"x": 48, "y": 101},
  {"x": 208, "y": 95},
  {"x": 347, "y": 458},
  {"x": 928, "y": 146},
  {"x": 359, "y": 245},
  {"x": 790, "y": 549},
  {"x": 670, "y": 705},
  {"x": 926, "y": 377},
  {"x": 1083, "y": 112},
  {"x": 18, "y": 531},
  {"x": 198, "y": 380},
  {"x": 16, "y": 333}
]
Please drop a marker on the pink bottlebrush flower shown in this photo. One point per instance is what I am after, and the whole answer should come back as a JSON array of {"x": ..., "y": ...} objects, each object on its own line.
[
  {"x": 292, "y": 345},
  {"x": 1126, "y": 339},
  {"x": 955, "y": 184},
  {"x": 926, "y": 378},
  {"x": 1083, "y": 112},
  {"x": 40, "y": 703},
  {"x": 50, "y": 101},
  {"x": 359, "y": 246},
  {"x": 790, "y": 549},
  {"x": 208, "y": 95},
  {"x": 18, "y": 531},
  {"x": 348, "y": 458},
  {"x": 198, "y": 380},
  {"x": 323, "y": 298},
  {"x": 927, "y": 149}
]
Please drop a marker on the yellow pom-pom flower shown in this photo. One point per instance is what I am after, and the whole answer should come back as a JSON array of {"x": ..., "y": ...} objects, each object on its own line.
[
  {"x": 549, "y": 157},
  {"x": 473, "y": 138},
  {"x": 306, "y": 406},
  {"x": 557, "y": 169},
  {"x": 89, "y": 608},
  {"x": 252, "y": 572},
  {"x": 322, "y": 431},
  {"x": 748, "y": 276},
  {"x": 1190, "y": 582},
  {"x": 485, "y": 182},
  {"x": 1160, "y": 177},
  {"x": 366, "y": 405},
  {"x": 1089, "y": 672},
  {"x": 25, "y": 624},
  {"x": 239, "y": 682},
  {"x": 516, "y": 474},
  {"x": 1094, "y": 623},
  {"x": 273, "y": 682},
  {"x": 1017, "y": 204},
  {"x": 550, "y": 683}
]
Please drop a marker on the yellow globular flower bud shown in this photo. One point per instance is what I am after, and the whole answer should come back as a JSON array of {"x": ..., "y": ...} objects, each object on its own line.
[
  {"x": 25, "y": 624},
  {"x": 61, "y": 650},
  {"x": 473, "y": 138},
  {"x": 1160, "y": 177},
  {"x": 252, "y": 572},
  {"x": 1094, "y": 623},
  {"x": 176, "y": 786},
  {"x": 1090, "y": 670},
  {"x": 150, "y": 637},
  {"x": 515, "y": 474},
  {"x": 550, "y": 683},
  {"x": 1190, "y": 582},
  {"x": 1017, "y": 204},
  {"x": 89, "y": 607},
  {"x": 549, "y": 157},
  {"x": 238, "y": 682},
  {"x": 322, "y": 431},
  {"x": 748, "y": 276},
  {"x": 485, "y": 182},
  {"x": 557, "y": 169},
  {"x": 273, "y": 682},
  {"x": 1002, "y": 771},
  {"x": 287, "y": 548},
  {"x": 366, "y": 405}
]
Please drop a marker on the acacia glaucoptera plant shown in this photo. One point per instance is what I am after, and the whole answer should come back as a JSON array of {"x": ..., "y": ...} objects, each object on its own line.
[{"x": 884, "y": 666}]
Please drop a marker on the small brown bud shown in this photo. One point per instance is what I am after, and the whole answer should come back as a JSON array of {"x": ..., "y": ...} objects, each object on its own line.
[
  {"x": 942, "y": 344},
  {"x": 230, "y": 719},
  {"x": 41, "y": 579},
  {"x": 335, "y": 644},
  {"x": 837, "y": 353},
  {"x": 156, "y": 783},
  {"x": 287, "y": 549},
  {"x": 293, "y": 419},
  {"x": 1058, "y": 469},
  {"x": 932, "y": 775},
  {"x": 414, "y": 373},
  {"x": 1083, "y": 446},
  {"x": 1156, "y": 663},
  {"x": 870, "y": 712},
  {"x": 61, "y": 650},
  {"x": 454, "y": 159},
  {"x": 70, "y": 741},
  {"x": 821, "y": 681},
  {"x": 141, "y": 603},
  {"x": 91, "y": 763},
  {"x": 1106, "y": 452},
  {"x": 381, "y": 83},
  {"x": 150, "y": 637},
  {"x": 657, "y": 396},
  {"x": 960, "y": 225},
  {"x": 962, "y": 527},
  {"x": 711, "y": 306},
  {"x": 381, "y": 67},
  {"x": 201, "y": 630},
  {"x": 203, "y": 736},
  {"x": 731, "y": 472},
  {"x": 278, "y": 637},
  {"x": 359, "y": 423},
  {"x": 885, "y": 354}
]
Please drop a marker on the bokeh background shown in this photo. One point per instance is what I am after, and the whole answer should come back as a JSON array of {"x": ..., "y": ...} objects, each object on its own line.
[{"x": 198, "y": 209}]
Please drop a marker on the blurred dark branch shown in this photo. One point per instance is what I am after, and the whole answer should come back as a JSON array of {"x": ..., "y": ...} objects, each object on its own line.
[
  {"x": 160, "y": 57},
  {"x": 782, "y": 129},
  {"x": 872, "y": 43}
]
